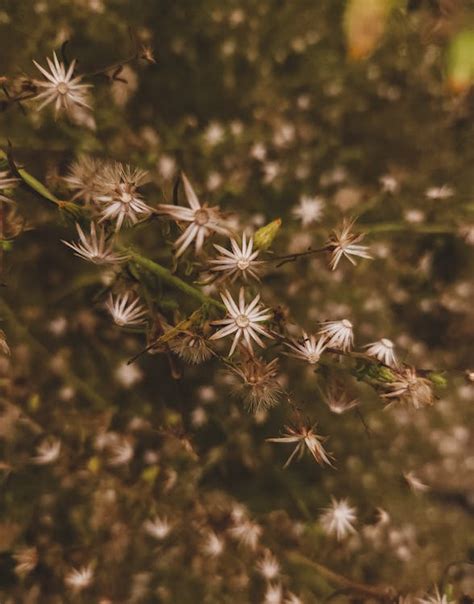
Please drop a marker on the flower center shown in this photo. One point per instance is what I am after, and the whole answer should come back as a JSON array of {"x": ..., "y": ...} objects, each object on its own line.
[
  {"x": 201, "y": 217},
  {"x": 313, "y": 358},
  {"x": 62, "y": 88},
  {"x": 387, "y": 343},
  {"x": 347, "y": 323},
  {"x": 243, "y": 264},
  {"x": 242, "y": 321}
]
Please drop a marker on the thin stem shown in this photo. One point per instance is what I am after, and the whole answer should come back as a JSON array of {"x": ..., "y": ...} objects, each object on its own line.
[
  {"x": 293, "y": 257},
  {"x": 380, "y": 592}
]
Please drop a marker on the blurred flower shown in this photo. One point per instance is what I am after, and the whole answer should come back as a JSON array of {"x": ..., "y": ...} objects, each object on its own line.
[
  {"x": 309, "y": 350},
  {"x": 241, "y": 262},
  {"x": 383, "y": 351},
  {"x": 338, "y": 518},
  {"x": 6, "y": 183},
  {"x": 389, "y": 183},
  {"x": 124, "y": 312},
  {"x": 213, "y": 545},
  {"x": 77, "y": 580},
  {"x": 309, "y": 210},
  {"x": 158, "y": 528},
  {"x": 304, "y": 437},
  {"x": 293, "y": 599},
  {"x": 258, "y": 383},
  {"x": 204, "y": 220},
  {"x": 95, "y": 249},
  {"x": 120, "y": 453},
  {"x": 443, "y": 192},
  {"x": 47, "y": 452},
  {"x": 61, "y": 87},
  {"x": 337, "y": 399},
  {"x": 247, "y": 533},
  {"x": 344, "y": 243},
  {"x": 26, "y": 559},
  {"x": 273, "y": 594},
  {"x": 243, "y": 321},
  {"x": 268, "y": 566},
  {"x": 337, "y": 334},
  {"x": 415, "y": 483},
  {"x": 408, "y": 386},
  {"x": 128, "y": 374},
  {"x": 436, "y": 598},
  {"x": 117, "y": 191}
]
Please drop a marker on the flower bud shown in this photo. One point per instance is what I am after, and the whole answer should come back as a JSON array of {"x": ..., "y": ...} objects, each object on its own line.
[
  {"x": 461, "y": 61},
  {"x": 364, "y": 25},
  {"x": 265, "y": 235}
]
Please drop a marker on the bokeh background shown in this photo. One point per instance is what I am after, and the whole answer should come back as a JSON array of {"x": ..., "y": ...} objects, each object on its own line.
[{"x": 261, "y": 102}]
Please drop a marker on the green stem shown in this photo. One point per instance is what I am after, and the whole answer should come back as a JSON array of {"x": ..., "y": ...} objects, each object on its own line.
[
  {"x": 380, "y": 592},
  {"x": 403, "y": 227},
  {"x": 22, "y": 333},
  {"x": 167, "y": 276}
]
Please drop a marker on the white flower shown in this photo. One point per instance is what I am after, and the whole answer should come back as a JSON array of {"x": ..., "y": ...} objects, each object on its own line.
[
  {"x": 47, "y": 452},
  {"x": 338, "y": 401},
  {"x": 203, "y": 220},
  {"x": 118, "y": 193},
  {"x": 124, "y": 312},
  {"x": 305, "y": 438},
  {"x": 128, "y": 374},
  {"x": 389, "y": 183},
  {"x": 213, "y": 545},
  {"x": 443, "y": 192},
  {"x": 436, "y": 598},
  {"x": 309, "y": 210},
  {"x": 309, "y": 350},
  {"x": 273, "y": 594},
  {"x": 337, "y": 334},
  {"x": 268, "y": 566},
  {"x": 120, "y": 453},
  {"x": 240, "y": 262},
  {"x": 344, "y": 243},
  {"x": 6, "y": 183},
  {"x": 383, "y": 351},
  {"x": 243, "y": 321},
  {"x": 158, "y": 528},
  {"x": 95, "y": 249},
  {"x": 61, "y": 87},
  {"x": 247, "y": 533},
  {"x": 338, "y": 518},
  {"x": 415, "y": 483},
  {"x": 78, "y": 580}
]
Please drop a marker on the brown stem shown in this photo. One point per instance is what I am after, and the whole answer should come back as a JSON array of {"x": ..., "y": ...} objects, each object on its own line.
[{"x": 293, "y": 257}]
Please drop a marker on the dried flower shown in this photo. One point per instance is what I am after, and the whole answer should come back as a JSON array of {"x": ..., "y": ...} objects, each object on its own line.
[
  {"x": 47, "y": 452},
  {"x": 95, "y": 249},
  {"x": 83, "y": 177},
  {"x": 337, "y": 519},
  {"x": 337, "y": 334},
  {"x": 118, "y": 192},
  {"x": 305, "y": 438},
  {"x": 343, "y": 242},
  {"x": 309, "y": 210},
  {"x": 125, "y": 312},
  {"x": 241, "y": 262},
  {"x": 337, "y": 400},
  {"x": 191, "y": 347},
  {"x": 203, "y": 220},
  {"x": 158, "y": 528},
  {"x": 309, "y": 350},
  {"x": 26, "y": 559},
  {"x": 258, "y": 383},
  {"x": 4, "y": 348},
  {"x": 61, "y": 88},
  {"x": 383, "y": 351},
  {"x": 77, "y": 580},
  {"x": 243, "y": 321},
  {"x": 409, "y": 387},
  {"x": 6, "y": 183}
]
